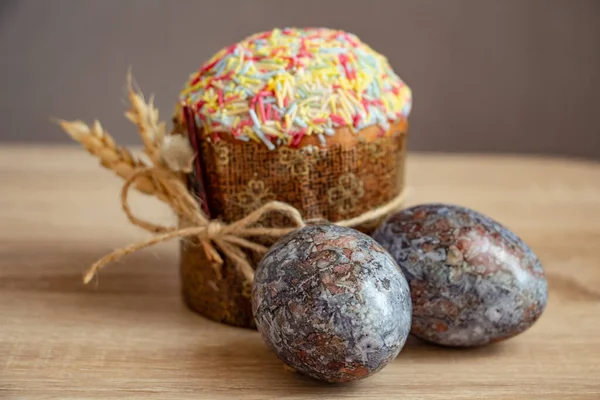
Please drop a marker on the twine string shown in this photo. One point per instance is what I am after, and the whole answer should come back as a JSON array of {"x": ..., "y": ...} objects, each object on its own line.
[{"x": 229, "y": 239}]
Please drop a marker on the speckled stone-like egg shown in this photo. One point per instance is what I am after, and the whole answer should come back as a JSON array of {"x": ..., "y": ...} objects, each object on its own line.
[
  {"x": 331, "y": 303},
  {"x": 472, "y": 281}
]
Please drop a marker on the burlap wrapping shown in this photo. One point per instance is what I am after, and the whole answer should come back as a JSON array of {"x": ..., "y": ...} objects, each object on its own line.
[{"x": 334, "y": 183}]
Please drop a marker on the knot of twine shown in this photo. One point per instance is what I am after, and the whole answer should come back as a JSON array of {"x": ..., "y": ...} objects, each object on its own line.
[{"x": 230, "y": 239}]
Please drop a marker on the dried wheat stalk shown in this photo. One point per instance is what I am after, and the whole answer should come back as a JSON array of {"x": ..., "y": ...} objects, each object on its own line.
[
  {"x": 115, "y": 158},
  {"x": 145, "y": 116},
  {"x": 163, "y": 151}
]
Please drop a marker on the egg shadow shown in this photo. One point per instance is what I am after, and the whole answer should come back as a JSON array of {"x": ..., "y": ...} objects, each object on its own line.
[
  {"x": 245, "y": 363},
  {"x": 416, "y": 349}
]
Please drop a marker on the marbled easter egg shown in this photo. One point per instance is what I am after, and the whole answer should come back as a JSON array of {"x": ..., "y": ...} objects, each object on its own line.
[
  {"x": 472, "y": 281},
  {"x": 331, "y": 303}
]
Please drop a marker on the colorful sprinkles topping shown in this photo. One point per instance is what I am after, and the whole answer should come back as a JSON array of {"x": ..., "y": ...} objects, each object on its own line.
[{"x": 276, "y": 87}]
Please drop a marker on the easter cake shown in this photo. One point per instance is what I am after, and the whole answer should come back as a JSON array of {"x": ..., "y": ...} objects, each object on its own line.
[{"x": 311, "y": 117}]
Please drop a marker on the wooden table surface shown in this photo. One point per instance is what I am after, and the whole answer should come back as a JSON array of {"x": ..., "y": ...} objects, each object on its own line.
[{"x": 130, "y": 336}]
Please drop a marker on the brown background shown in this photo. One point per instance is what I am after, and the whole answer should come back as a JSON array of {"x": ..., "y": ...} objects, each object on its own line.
[{"x": 502, "y": 76}]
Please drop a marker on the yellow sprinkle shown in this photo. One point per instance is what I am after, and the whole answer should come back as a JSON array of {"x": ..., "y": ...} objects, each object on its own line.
[
  {"x": 240, "y": 63},
  {"x": 237, "y": 111},
  {"x": 345, "y": 103},
  {"x": 309, "y": 100},
  {"x": 349, "y": 96},
  {"x": 194, "y": 88},
  {"x": 270, "y": 67},
  {"x": 332, "y": 102},
  {"x": 293, "y": 115},
  {"x": 346, "y": 115},
  {"x": 229, "y": 63},
  {"x": 270, "y": 130},
  {"x": 250, "y": 133}
]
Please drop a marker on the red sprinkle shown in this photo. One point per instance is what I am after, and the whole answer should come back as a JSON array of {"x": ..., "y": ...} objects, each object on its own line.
[
  {"x": 350, "y": 40},
  {"x": 356, "y": 120},
  {"x": 343, "y": 58},
  {"x": 261, "y": 109},
  {"x": 298, "y": 137},
  {"x": 265, "y": 35},
  {"x": 208, "y": 66},
  {"x": 224, "y": 77},
  {"x": 337, "y": 119},
  {"x": 220, "y": 94},
  {"x": 246, "y": 122},
  {"x": 269, "y": 110},
  {"x": 199, "y": 104},
  {"x": 286, "y": 101},
  {"x": 276, "y": 114},
  {"x": 319, "y": 120}
]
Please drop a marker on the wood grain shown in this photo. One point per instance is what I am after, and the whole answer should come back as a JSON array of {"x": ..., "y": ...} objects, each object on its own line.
[{"x": 128, "y": 335}]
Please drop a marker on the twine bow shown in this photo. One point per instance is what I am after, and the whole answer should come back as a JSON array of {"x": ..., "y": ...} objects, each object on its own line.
[
  {"x": 215, "y": 235},
  {"x": 171, "y": 156}
]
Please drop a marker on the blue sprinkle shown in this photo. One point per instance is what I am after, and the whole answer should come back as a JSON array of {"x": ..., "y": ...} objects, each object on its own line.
[
  {"x": 300, "y": 123},
  {"x": 375, "y": 88},
  {"x": 385, "y": 125},
  {"x": 243, "y": 71},
  {"x": 262, "y": 137},
  {"x": 292, "y": 108},
  {"x": 220, "y": 67},
  {"x": 333, "y": 50},
  {"x": 329, "y": 131},
  {"x": 406, "y": 109},
  {"x": 244, "y": 138},
  {"x": 254, "y": 118},
  {"x": 322, "y": 139},
  {"x": 263, "y": 75}
]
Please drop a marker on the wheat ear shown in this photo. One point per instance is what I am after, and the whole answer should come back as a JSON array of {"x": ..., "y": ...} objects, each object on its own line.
[
  {"x": 145, "y": 116},
  {"x": 115, "y": 158}
]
